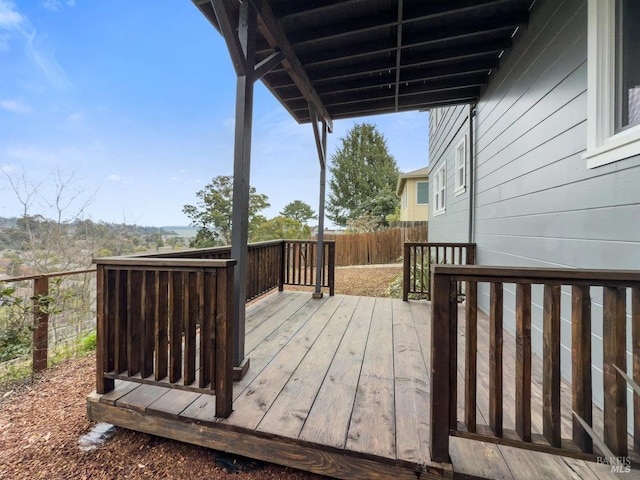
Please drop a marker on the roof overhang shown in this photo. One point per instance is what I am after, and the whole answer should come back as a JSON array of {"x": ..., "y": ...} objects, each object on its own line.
[{"x": 352, "y": 58}]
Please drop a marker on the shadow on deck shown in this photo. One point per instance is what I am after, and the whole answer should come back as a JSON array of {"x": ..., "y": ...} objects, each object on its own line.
[{"x": 340, "y": 387}]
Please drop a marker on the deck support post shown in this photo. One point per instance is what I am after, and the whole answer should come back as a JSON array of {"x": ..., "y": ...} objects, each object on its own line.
[
  {"x": 242, "y": 50},
  {"x": 321, "y": 145}
]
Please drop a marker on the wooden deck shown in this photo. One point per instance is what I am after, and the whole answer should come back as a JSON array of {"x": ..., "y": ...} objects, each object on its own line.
[{"x": 338, "y": 386}]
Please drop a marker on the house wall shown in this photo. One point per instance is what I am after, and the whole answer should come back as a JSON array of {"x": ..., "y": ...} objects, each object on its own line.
[
  {"x": 413, "y": 212},
  {"x": 536, "y": 203},
  {"x": 453, "y": 225}
]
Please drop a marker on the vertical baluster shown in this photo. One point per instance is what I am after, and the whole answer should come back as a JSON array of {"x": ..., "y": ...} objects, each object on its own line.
[
  {"x": 551, "y": 366},
  {"x": 121, "y": 308},
  {"x": 495, "y": 358},
  {"x": 581, "y": 364},
  {"x": 523, "y": 361},
  {"x": 190, "y": 319},
  {"x": 207, "y": 330},
  {"x": 134, "y": 314},
  {"x": 177, "y": 292},
  {"x": 615, "y": 386},
  {"x": 635, "y": 349},
  {"x": 406, "y": 274},
  {"x": 147, "y": 322},
  {"x": 161, "y": 324},
  {"x": 471, "y": 351},
  {"x": 331, "y": 268}
]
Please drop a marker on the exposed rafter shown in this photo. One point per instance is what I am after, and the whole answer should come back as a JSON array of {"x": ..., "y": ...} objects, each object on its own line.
[
  {"x": 351, "y": 58},
  {"x": 278, "y": 40}
]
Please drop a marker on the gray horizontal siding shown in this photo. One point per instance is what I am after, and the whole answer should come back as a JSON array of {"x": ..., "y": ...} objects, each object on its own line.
[{"x": 536, "y": 203}]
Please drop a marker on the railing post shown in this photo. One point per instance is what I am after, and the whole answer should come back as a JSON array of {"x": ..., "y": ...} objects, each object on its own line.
[
  {"x": 283, "y": 258},
  {"x": 406, "y": 274},
  {"x": 440, "y": 366},
  {"x": 332, "y": 268},
  {"x": 224, "y": 343},
  {"x": 103, "y": 385},
  {"x": 41, "y": 323}
]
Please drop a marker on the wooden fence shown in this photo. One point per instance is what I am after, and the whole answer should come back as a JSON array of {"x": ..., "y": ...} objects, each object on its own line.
[
  {"x": 41, "y": 314},
  {"x": 613, "y": 287},
  {"x": 382, "y": 246}
]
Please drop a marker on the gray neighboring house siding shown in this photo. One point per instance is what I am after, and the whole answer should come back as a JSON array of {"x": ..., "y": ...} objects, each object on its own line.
[{"x": 536, "y": 203}]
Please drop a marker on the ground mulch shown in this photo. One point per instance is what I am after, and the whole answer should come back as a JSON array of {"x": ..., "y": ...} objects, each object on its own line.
[{"x": 42, "y": 421}]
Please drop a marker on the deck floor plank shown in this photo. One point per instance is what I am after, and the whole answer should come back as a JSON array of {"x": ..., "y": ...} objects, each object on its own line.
[
  {"x": 289, "y": 411},
  {"x": 328, "y": 420},
  {"x": 140, "y": 398},
  {"x": 279, "y": 330},
  {"x": 255, "y": 402},
  {"x": 411, "y": 387},
  {"x": 173, "y": 403},
  {"x": 341, "y": 386},
  {"x": 373, "y": 425}
]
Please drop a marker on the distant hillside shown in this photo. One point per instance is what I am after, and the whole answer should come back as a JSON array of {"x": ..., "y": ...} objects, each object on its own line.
[{"x": 181, "y": 231}]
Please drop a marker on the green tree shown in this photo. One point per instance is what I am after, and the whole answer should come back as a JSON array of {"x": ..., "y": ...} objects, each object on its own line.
[
  {"x": 281, "y": 227},
  {"x": 363, "y": 174},
  {"x": 298, "y": 210},
  {"x": 212, "y": 214}
]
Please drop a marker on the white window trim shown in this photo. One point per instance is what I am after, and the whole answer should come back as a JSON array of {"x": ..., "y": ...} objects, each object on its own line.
[
  {"x": 404, "y": 197},
  {"x": 418, "y": 182},
  {"x": 440, "y": 177},
  {"x": 461, "y": 146},
  {"x": 603, "y": 144}
]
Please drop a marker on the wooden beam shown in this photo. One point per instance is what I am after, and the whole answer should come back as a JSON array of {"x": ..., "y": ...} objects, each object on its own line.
[
  {"x": 268, "y": 64},
  {"x": 229, "y": 33},
  {"x": 273, "y": 33}
]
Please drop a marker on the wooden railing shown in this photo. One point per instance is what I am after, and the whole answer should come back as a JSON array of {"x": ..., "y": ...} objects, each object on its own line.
[
  {"x": 40, "y": 352},
  {"x": 166, "y": 321},
  {"x": 419, "y": 256},
  {"x": 273, "y": 264},
  {"x": 300, "y": 263},
  {"x": 612, "y": 286}
]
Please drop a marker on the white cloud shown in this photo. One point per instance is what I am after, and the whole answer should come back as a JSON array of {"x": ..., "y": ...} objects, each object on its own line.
[
  {"x": 7, "y": 169},
  {"x": 117, "y": 178},
  {"x": 76, "y": 117},
  {"x": 10, "y": 18},
  {"x": 30, "y": 154},
  {"x": 45, "y": 59},
  {"x": 57, "y": 5},
  {"x": 14, "y": 26},
  {"x": 15, "y": 106}
]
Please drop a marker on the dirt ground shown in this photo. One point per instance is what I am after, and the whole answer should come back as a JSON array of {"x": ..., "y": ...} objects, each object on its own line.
[{"x": 42, "y": 422}]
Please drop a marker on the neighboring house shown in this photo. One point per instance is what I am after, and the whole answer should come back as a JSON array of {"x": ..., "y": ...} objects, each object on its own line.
[
  {"x": 413, "y": 190},
  {"x": 544, "y": 171}
]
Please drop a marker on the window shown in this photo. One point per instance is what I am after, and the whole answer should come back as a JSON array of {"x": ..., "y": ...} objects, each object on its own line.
[
  {"x": 439, "y": 193},
  {"x": 404, "y": 197},
  {"x": 613, "y": 122},
  {"x": 461, "y": 166},
  {"x": 422, "y": 189}
]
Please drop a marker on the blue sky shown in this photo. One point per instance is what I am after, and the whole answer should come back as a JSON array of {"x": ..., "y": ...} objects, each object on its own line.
[{"x": 134, "y": 100}]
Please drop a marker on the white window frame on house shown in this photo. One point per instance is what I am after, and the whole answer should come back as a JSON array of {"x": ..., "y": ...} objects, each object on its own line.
[
  {"x": 418, "y": 202},
  {"x": 440, "y": 190},
  {"x": 404, "y": 196},
  {"x": 461, "y": 166},
  {"x": 604, "y": 144}
]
